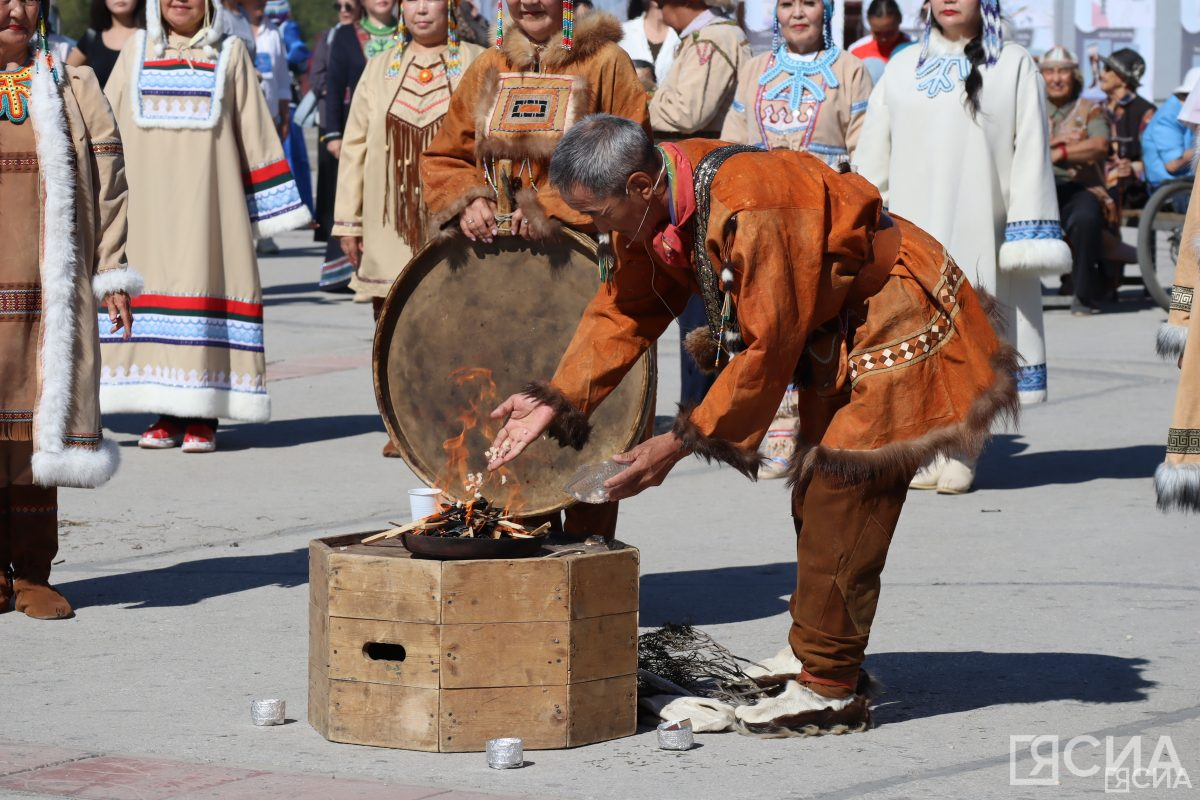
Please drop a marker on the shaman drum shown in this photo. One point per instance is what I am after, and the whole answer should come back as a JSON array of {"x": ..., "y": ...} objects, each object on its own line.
[{"x": 467, "y": 324}]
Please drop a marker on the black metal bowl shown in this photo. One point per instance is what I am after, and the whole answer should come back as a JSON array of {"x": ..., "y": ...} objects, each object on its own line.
[{"x": 451, "y": 548}]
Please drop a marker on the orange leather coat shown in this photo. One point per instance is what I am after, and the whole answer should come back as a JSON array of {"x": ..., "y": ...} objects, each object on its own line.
[{"x": 894, "y": 350}]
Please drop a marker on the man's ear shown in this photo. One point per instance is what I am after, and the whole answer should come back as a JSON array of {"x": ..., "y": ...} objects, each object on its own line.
[{"x": 640, "y": 184}]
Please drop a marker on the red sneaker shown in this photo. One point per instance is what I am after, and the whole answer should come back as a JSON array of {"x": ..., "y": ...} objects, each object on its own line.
[
  {"x": 199, "y": 438},
  {"x": 161, "y": 435}
]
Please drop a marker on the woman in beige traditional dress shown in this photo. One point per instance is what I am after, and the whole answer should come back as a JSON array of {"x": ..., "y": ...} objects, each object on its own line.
[
  {"x": 397, "y": 109},
  {"x": 207, "y": 176},
  {"x": 805, "y": 94},
  {"x": 62, "y": 221}
]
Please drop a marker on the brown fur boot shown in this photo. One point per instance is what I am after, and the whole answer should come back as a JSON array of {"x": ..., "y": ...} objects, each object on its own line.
[
  {"x": 6, "y": 590},
  {"x": 33, "y": 517}
]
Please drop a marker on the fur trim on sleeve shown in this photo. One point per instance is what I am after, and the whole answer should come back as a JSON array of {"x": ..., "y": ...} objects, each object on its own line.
[
  {"x": 570, "y": 427},
  {"x": 1178, "y": 487},
  {"x": 440, "y": 223},
  {"x": 1042, "y": 256},
  {"x": 121, "y": 279},
  {"x": 76, "y": 467},
  {"x": 541, "y": 226},
  {"x": 1171, "y": 340},
  {"x": 288, "y": 221},
  {"x": 713, "y": 449}
]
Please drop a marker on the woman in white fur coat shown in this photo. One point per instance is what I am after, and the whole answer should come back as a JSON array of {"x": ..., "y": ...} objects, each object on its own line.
[
  {"x": 207, "y": 175},
  {"x": 955, "y": 139},
  {"x": 62, "y": 190}
]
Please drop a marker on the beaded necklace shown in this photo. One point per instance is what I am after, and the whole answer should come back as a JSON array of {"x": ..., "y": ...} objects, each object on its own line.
[
  {"x": 14, "y": 94},
  {"x": 801, "y": 76},
  {"x": 380, "y": 37}
]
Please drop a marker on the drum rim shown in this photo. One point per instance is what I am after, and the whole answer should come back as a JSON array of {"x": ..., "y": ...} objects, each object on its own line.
[{"x": 402, "y": 288}]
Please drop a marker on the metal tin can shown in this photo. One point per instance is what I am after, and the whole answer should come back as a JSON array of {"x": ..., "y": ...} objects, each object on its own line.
[{"x": 505, "y": 753}]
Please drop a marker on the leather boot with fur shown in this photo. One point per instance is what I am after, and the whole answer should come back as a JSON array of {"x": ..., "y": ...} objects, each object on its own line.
[
  {"x": 34, "y": 547},
  {"x": 957, "y": 476},
  {"x": 927, "y": 477},
  {"x": 800, "y": 710}
]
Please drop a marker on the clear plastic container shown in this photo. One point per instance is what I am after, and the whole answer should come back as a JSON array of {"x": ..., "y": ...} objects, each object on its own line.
[{"x": 587, "y": 484}]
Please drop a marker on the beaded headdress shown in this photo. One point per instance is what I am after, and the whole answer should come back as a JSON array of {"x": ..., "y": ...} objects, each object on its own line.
[
  {"x": 453, "y": 57},
  {"x": 992, "y": 34},
  {"x": 826, "y": 28}
]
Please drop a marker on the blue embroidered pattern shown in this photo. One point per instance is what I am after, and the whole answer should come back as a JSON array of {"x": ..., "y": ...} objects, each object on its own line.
[
  {"x": 934, "y": 78},
  {"x": 858, "y": 108},
  {"x": 189, "y": 331},
  {"x": 1026, "y": 229},
  {"x": 739, "y": 106},
  {"x": 799, "y": 78},
  {"x": 1031, "y": 378}
]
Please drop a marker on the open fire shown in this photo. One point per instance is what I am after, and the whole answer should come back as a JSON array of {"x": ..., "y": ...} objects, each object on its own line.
[{"x": 478, "y": 519}]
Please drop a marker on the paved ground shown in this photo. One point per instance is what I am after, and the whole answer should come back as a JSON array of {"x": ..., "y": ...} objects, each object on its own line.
[{"x": 1053, "y": 600}]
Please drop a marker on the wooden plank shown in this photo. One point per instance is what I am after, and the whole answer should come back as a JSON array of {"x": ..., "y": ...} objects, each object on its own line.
[
  {"x": 318, "y": 639},
  {"x": 318, "y": 700},
  {"x": 369, "y": 586},
  {"x": 604, "y": 583},
  {"x": 603, "y": 647},
  {"x": 536, "y": 714},
  {"x": 504, "y": 654},
  {"x": 318, "y": 574},
  {"x": 515, "y": 590},
  {"x": 384, "y": 716},
  {"x": 602, "y": 710},
  {"x": 353, "y": 654}
]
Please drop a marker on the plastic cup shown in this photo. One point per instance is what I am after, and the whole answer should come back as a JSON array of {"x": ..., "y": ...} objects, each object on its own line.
[{"x": 423, "y": 502}]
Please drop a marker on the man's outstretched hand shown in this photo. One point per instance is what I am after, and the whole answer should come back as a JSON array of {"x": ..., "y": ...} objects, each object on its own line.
[
  {"x": 649, "y": 463},
  {"x": 525, "y": 420}
]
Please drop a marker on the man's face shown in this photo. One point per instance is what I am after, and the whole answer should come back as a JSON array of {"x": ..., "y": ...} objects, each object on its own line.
[
  {"x": 884, "y": 30},
  {"x": 635, "y": 215},
  {"x": 1110, "y": 81},
  {"x": 255, "y": 10},
  {"x": 1060, "y": 83}
]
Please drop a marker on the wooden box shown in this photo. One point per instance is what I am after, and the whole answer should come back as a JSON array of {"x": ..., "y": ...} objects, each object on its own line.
[{"x": 443, "y": 655}]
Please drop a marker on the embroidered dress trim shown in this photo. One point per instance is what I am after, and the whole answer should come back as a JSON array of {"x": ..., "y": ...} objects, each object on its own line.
[
  {"x": 270, "y": 191},
  {"x": 179, "y": 378},
  {"x": 193, "y": 321},
  {"x": 14, "y": 94},
  {"x": 19, "y": 162},
  {"x": 1183, "y": 441},
  {"x": 1031, "y": 378},
  {"x": 336, "y": 273},
  {"x": 800, "y": 78},
  {"x": 177, "y": 92},
  {"x": 1032, "y": 229},
  {"x": 19, "y": 302},
  {"x": 107, "y": 147},
  {"x": 920, "y": 345},
  {"x": 934, "y": 76},
  {"x": 1181, "y": 298},
  {"x": 859, "y": 107}
]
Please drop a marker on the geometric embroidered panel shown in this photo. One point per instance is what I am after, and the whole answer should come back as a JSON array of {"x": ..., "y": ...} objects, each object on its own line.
[
  {"x": 1184, "y": 441},
  {"x": 531, "y": 104}
]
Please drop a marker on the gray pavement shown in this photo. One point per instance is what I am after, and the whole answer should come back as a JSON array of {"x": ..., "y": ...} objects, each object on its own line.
[{"x": 1052, "y": 600}]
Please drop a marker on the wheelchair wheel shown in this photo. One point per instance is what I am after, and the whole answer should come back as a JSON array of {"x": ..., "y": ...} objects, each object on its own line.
[{"x": 1160, "y": 234}]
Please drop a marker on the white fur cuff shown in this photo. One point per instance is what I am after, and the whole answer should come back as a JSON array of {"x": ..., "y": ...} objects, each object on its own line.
[
  {"x": 296, "y": 218},
  {"x": 1178, "y": 487},
  {"x": 125, "y": 279},
  {"x": 1040, "y": 256},
  {"x": 1171, "y": 340},
  {"x": 76, "y": 467}
]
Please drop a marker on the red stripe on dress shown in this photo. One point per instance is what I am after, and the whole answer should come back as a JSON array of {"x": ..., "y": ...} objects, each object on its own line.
[
  {"x": 178, "y": 62},
  {"x": 197, "y": 304},
  {"x": 263, "y": 174}
]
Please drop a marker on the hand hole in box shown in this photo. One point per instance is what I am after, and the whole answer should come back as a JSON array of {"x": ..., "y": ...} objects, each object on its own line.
[{"x": 384, "y": 651}]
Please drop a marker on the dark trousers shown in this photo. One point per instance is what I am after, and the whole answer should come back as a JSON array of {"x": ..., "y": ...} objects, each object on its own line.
[
  {"x": 843, "y": 532},
  {"x": 695, "y": 382},
  {"x": 1083, "y": 221}
]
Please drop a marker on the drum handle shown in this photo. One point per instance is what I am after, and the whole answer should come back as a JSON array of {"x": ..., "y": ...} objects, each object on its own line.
[{"x": 504, "y": 198}]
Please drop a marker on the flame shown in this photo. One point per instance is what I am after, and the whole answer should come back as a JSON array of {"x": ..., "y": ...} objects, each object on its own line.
[{"x": 480, "y": 390}]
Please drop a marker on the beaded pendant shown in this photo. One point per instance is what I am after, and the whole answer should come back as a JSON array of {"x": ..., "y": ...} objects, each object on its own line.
[{"x": 14, "y": 94}]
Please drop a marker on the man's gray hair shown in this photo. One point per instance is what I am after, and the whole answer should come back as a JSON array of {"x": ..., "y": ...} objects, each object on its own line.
[{"x": 599, "y": 153}]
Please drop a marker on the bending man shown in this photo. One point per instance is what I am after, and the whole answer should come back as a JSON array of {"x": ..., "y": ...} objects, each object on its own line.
[{"x": 805, "y": 279}]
